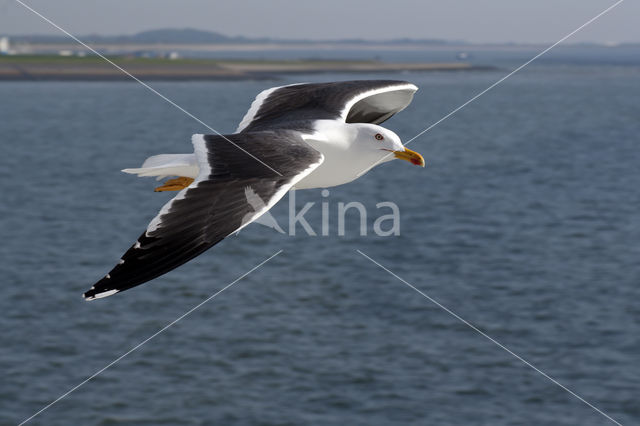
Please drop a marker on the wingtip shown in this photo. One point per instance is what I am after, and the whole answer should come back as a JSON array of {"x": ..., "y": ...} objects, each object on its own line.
[{"x": 94, "y": 294}]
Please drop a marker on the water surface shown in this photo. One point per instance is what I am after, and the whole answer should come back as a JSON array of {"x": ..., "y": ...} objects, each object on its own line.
[{"x": 525, "y": 223}]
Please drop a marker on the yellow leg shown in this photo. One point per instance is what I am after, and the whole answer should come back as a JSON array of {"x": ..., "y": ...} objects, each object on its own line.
[{"x": 175, "y": 184}]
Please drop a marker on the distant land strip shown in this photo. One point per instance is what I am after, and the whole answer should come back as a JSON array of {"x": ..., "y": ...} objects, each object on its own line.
[{"x": 92, "y": 68}]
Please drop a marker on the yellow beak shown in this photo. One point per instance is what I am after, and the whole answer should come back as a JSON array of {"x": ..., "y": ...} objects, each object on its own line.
[{"x": 410, "y": 156}]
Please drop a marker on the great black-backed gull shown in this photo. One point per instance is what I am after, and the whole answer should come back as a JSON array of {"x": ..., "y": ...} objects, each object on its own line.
[{"x": 293, "y": 137}]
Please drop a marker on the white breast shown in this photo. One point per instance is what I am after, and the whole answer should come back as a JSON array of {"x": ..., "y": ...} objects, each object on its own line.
[{"x": 343, "y": 161}]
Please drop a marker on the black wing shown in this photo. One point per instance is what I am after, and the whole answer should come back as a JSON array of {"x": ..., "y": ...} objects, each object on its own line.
[
  {"x": 360, "y": 101},
  {"x": 219, "y": 202}
]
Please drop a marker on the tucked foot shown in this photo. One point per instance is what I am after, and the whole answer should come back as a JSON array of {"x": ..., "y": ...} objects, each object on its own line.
[{"x": 175, "y": 184}]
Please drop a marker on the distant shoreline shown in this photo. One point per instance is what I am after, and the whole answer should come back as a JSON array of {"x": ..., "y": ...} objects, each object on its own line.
[{"x": 92, "y": 68}]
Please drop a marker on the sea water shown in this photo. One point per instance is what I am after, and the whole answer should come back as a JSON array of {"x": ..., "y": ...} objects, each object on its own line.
[{"x": 525, "y": 223}]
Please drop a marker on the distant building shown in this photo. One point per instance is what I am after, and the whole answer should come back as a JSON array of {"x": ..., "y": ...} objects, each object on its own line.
[{"x": 4, "y": 45}]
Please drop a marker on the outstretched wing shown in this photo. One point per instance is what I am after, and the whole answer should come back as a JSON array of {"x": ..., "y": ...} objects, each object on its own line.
[
  {"x": 360, "y": 101},
  {"x": 215, "y": 205}
]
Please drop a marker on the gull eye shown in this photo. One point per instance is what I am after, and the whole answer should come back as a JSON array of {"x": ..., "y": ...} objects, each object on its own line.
[{"x": 379, "y": 136}]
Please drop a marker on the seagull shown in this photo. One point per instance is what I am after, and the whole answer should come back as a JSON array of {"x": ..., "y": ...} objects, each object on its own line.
[{"x": 299, "y": 136}]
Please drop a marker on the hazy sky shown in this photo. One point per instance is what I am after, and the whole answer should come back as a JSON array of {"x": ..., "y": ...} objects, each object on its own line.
[{"x": 471, "y": 20}]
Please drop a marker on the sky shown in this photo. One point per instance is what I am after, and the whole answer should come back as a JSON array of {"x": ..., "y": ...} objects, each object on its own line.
[{"x": 489, "y": 21}]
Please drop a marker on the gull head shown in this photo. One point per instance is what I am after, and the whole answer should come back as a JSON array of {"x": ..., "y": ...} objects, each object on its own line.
[{"x": 384, "y": 144}]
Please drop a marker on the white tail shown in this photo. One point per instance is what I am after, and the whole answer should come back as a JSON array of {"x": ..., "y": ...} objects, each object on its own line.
[{"x": 164, "y": 165}]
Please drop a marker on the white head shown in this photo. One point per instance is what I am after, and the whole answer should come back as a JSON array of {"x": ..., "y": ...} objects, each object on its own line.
[{"x": 383, "y": 144}]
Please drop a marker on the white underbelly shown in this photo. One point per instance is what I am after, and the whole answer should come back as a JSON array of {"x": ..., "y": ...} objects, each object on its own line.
[
  {"x": 325, "y": 177},
  {"x": 336, "y": 170}
]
